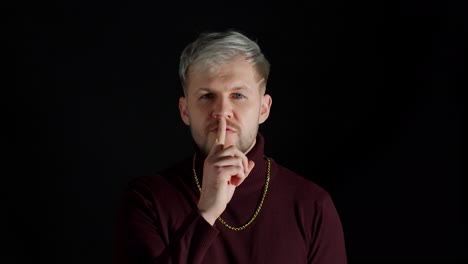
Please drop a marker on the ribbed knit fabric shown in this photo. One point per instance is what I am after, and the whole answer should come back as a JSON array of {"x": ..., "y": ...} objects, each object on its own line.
[{"x": 158, "y": 220}]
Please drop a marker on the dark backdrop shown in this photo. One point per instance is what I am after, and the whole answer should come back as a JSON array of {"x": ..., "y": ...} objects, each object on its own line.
[{"x": 366, "y": 102}]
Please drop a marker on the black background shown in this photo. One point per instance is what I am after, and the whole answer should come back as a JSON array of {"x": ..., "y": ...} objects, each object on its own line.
[{"x": 366, "y": 102}]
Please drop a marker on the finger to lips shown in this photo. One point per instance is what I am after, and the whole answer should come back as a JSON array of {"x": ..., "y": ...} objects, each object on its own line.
[
  {"x": 221, "y": 131},
  {"x": 220, "y": 140}
]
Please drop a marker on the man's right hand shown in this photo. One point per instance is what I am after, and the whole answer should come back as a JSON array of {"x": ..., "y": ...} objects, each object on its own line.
[{"x": 225, "y": 168}]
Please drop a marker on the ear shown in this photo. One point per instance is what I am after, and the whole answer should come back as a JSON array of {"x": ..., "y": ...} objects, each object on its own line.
[
  {"x": 265, "y": 108},
  {"x": 183, "y": 110}
]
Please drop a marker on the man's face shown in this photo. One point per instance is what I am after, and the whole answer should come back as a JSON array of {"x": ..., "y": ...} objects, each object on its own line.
[{"x": 232, "y": 92}]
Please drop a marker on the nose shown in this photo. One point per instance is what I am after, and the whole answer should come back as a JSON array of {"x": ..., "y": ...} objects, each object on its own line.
[{"x": 222, "y": 108}]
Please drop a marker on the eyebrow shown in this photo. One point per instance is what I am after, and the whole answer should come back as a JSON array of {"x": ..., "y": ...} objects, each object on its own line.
[{"x": 235, "y": 88}]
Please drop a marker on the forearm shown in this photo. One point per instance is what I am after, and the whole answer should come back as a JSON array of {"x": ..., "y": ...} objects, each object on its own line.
[{"x": 142, "y": 237}]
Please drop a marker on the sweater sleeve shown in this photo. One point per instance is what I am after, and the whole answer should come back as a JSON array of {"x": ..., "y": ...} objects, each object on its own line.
[
  {"x": 328, "y": 245},
  {"x": 141, "y": 236}
]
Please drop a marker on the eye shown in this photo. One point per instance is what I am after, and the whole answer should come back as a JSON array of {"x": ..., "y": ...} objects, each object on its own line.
[
  {"x": 206, "y": 96},
  {"x": 238, "y": 96}
]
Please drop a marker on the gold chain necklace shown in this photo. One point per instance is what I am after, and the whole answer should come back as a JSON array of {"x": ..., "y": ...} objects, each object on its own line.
[{"x": 259, "y": 206}]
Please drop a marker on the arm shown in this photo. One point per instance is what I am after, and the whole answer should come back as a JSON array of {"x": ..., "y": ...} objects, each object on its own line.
[
  {"x": 142, "y": 236},
  {"x": 328, "y": 245}
]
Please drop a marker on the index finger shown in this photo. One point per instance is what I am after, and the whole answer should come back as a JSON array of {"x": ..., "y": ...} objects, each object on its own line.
[{"x": 221, "y": 131}]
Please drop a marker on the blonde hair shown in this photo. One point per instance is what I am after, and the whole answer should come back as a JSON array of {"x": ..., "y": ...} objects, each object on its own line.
[{"x": 217, "y": 48}]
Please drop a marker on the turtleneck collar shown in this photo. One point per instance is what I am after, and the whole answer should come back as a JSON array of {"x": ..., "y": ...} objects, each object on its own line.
[{"x": 257, "y": 176}]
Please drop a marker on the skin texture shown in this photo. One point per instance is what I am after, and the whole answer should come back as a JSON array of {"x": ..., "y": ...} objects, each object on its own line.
[{"x": 224, "y": 107}]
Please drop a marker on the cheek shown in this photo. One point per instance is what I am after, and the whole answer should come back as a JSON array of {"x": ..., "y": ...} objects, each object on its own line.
[
  {"x": 198, "y": 110},
  {"x": 199, "y": 123},
  {"x": 249, "y": 118}
]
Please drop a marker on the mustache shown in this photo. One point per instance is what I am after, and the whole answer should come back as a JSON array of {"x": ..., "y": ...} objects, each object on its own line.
[{"x": 230, "y": 126}]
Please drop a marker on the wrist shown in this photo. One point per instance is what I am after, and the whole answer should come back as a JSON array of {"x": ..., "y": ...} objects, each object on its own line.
[{"x": 209, "y": 217}]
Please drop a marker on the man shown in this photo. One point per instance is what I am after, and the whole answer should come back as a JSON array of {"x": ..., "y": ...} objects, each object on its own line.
[{"x": 229, "y": 202}]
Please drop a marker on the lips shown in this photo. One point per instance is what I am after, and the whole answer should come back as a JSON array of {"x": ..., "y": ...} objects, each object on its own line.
[{"x": 228, "y": 129}]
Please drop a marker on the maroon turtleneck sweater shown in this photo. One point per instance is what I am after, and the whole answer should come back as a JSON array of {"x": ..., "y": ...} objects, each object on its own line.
[{"x": 158, "y": 219}]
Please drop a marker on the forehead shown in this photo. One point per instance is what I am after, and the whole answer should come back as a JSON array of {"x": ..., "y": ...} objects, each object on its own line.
[{"x": 237, "y": 69}]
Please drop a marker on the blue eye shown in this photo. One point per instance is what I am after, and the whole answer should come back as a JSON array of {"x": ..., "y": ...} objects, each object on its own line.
[
  {"x": 239, "y": 96},
  {"x": 206, "y": 96}
]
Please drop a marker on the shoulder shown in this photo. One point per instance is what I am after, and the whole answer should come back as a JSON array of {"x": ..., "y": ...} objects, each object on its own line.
[
  {"x": 300, "y": 187},
  {"x": 161, "y": 181}
]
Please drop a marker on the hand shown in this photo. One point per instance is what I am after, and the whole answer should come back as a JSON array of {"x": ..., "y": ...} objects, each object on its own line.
[{"x": 224, "y": 170}]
